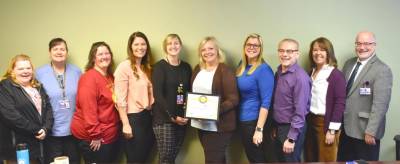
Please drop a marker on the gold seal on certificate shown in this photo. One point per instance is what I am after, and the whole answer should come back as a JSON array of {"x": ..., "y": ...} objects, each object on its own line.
[{"x": 202, "y": 106}]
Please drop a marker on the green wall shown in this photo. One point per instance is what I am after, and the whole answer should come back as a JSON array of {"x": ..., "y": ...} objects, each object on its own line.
[{"x": 26, "y": 26}]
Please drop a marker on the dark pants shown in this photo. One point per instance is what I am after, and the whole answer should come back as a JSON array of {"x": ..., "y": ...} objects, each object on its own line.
[
  {"x": 254, "y": 153},
  {"x": 214, "y": 145},
  {"x": 62, "y": 146},
  {"x": 108, "y": 153},
  {"x": 351, "y": 149},
  {"x": 138, "y": 148},
  {"x": 281, "y": 134}
]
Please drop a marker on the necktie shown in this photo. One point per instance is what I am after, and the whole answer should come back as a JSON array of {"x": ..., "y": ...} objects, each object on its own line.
[{"x": 352, "y": 77}]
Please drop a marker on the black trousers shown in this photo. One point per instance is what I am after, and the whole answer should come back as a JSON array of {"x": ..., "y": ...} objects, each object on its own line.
[
  {"x": 351, "y": 149},
  {"x": 254, "y": 153},
  {"x": 108, "y": 153},
  {"x": 214, "y": 145},
  {"x": 138, "y": 148},
  {"x": 62, "y": 146}
]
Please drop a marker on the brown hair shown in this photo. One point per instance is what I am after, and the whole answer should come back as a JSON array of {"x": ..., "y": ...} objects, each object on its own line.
[
  {"x": 145, "y": 63},
  {"x": 57, "y": 41},
  {"x": 326, "y": 45},
  {"x": 92, "y": 57},
  {"x": 10, "y": 74}
]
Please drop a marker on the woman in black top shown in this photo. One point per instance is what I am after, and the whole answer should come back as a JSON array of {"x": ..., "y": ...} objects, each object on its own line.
[
  {"x": 25, "y": 111},
  {"x": 171, "y": 79}
]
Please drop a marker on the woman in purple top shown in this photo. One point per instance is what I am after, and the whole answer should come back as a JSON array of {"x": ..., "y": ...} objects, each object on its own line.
[{"x": 328, "y": 94}]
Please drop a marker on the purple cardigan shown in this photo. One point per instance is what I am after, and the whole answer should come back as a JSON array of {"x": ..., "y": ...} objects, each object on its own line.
[{"x": 335, "y": 98}]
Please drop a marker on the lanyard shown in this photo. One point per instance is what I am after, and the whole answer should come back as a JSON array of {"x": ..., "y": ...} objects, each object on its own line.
[
  {"x": 61, "y": 79},
  {"x": 180, "y": 99},
  {"x": 180, "y": 73}
]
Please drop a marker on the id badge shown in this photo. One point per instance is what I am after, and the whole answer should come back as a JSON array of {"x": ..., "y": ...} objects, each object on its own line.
[
  {"x": 365, "y": 91},
  {"x": 179, "y": 99},
  {"x": 64, "y": 104}
]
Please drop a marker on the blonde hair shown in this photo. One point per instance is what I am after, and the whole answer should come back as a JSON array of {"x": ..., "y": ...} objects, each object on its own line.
[
  {"x": 244, "y": 62},
  {"x": 10, "y": 70},
  {"x": 221, "y": 55},
  {"x": 169, "y": 37}
]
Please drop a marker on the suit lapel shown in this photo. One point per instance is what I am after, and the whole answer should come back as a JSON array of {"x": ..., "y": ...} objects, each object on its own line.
[{"x": 363, "y": 72}]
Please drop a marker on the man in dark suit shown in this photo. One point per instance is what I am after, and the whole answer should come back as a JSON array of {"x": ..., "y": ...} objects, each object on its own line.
[{"x": 369, "y": 87}]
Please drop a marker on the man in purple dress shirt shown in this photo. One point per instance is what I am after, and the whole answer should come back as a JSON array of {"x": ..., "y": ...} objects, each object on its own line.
[{"x": 291, "y": 102}]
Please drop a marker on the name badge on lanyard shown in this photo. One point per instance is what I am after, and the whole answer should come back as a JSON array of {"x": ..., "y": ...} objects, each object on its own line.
[
  {"x": 365, "y": 90},
  {"x": 179, "y": 96},
  {"x": 64, "y": 104}
]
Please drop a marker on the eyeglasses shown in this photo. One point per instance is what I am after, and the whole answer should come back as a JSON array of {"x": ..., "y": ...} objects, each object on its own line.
[
  {"x": 249, "y": 45},
  {"x": 289, "y": 51},
  {"x": 358, "y": 44}
]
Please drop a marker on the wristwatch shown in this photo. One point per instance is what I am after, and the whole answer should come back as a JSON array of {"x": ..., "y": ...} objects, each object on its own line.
[
  {"x": 331, "y": 131},
  {"x": 290, "y": 140},
  {"x": 258, "y": 129}
]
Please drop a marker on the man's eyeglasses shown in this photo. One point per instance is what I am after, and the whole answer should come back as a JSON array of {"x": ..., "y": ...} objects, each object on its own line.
[
  {"x": 289, "y": 51},
  {"x": 358, "y": 44},
  {"x": 249, "y": 45}
]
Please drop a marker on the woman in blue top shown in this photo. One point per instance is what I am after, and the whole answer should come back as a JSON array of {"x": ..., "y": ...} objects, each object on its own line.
[
  {"x": 60, "y": 80},
  {"x": 255, "y": 80}
]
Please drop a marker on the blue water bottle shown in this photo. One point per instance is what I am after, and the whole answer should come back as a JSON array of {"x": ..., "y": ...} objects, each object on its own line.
[{"x": 22, "y": 153}]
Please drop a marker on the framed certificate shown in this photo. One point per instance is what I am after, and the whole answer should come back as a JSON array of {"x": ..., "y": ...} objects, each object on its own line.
[{"x": 202, "y": 106}]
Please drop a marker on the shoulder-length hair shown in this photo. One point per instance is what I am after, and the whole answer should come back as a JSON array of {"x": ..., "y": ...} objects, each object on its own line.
[
  {"x": 92, "y": 57},
  {"x": 326, "y": 45},
  {"x": 244, "y": 62},
  {"x": 168, "y": 38},
  {"x": 147, "y": 60},
  {"x": 221, "y": 55},
  {"x": 10, "y": 70}
]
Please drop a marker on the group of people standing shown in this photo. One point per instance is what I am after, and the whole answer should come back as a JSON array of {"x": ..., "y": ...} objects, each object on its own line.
[{"x": 332, "y": 116}]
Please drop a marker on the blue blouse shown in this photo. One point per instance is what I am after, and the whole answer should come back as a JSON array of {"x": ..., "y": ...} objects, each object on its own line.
[
  {"x": 255, "y": 91},
  {"x": 62, "y": 116}
]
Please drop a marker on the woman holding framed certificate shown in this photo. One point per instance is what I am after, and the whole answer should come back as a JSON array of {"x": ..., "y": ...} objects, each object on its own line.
[
  {"x": 212, "y": 76},
  {"x": 255, "y": 80}
]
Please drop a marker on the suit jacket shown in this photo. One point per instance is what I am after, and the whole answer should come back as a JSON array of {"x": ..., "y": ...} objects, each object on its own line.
[
  {"x": 367, "y": 113},
  {"x": 224, "y": 85}
]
